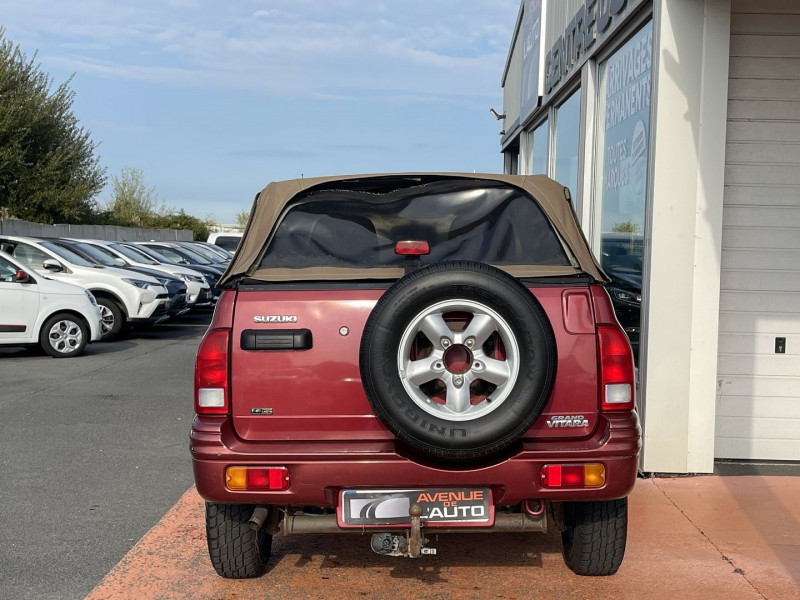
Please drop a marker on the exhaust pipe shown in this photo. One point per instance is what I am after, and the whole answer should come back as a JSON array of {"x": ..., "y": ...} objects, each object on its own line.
[{"x": 260, "y": 515}]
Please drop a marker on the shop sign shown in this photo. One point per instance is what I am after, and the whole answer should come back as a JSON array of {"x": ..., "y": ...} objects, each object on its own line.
[
  {"x": 594, "y": 21},
  {"x": 626, "y": 128}
]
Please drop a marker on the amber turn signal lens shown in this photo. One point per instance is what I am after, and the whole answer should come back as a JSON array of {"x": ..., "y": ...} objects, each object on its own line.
[
  {"x": 594, "y": 475},
  {"x": 236, "y": 478}
]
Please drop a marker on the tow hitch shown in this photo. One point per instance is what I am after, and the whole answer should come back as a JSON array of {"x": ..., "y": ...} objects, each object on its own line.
[{"x": 410, "y": 545}]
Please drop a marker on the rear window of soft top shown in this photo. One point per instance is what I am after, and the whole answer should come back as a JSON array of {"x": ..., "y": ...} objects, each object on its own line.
[{"x": 482, "y": 221}]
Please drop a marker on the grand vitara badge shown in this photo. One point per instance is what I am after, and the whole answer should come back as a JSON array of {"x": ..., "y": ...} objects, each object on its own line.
[
  {"x": 275, "y": 319},
  {"x": 567, "y": 421}
]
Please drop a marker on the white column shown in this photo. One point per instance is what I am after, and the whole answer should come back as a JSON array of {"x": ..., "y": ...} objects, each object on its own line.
[{"x": 690, "y": 54}]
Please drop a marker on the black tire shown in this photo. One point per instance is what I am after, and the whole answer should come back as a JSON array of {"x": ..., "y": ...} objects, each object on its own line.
[
  {"x": 64, "y": 335},
  {"x": 113, "y": 319},
  {"x": 236, "y": 551},
  {"x": 595, "y": 536},
  {"x": 404, "y": 411}
]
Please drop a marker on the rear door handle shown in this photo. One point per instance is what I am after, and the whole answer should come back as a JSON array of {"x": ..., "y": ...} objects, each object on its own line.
[{"x": 276, "y": 339}]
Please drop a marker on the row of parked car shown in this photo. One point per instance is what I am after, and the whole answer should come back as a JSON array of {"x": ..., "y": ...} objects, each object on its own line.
[{"x": 62, "y": 293}]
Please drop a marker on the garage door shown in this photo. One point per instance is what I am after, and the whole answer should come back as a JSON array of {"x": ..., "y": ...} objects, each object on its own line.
[{"x": 758, "y": 402}]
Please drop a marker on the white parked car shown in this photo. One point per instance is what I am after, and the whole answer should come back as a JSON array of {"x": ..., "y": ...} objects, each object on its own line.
[
  {"x": 60, "y": 317},
  {"x": 124, "y": 297},
  {"x": 226, "y": 239},
  {"x": 198, "y": 291}
]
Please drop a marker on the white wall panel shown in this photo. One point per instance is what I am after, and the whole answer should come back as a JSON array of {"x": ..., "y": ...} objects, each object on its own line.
[
  {"x": 776, "y": 392},
  {"x": 766, "y": 449},
  {"x": 758, "y": 395},
  {"x": 755, "y": 259},
  {"x": 754, "y": 153},
  {"x": 750, "y": 24},
  {"x": 765, "y": 89},
  {"x": 753, "y": 194},
  {"x": 744, "y": 322},
  {"x": 763, "y": 67},
  {"x": 733, "y": 279}
]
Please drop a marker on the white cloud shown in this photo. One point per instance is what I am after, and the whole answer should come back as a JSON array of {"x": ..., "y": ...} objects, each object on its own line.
[
  {"x": 415, "y": 48},
  {"x": 267, "y": 13}
]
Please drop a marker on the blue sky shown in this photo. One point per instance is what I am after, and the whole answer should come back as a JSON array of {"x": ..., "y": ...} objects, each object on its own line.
[{"x": 212, "y": 100}]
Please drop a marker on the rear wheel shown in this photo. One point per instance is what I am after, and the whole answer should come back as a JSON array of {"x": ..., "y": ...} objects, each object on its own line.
[
  {"x": 64, "y": 335},
  {"x": 236, "y": 551},
  {"x": 594, "y": 536},
  {"x": 112, "y": 319}
]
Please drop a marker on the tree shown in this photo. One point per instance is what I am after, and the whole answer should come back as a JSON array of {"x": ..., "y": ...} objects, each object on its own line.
[
  {"x": 242, "y": 217},
  {"x": 132, "y": 203},
  {"x": 180, "y": 220},
  {"x": 626, "y": 227},
  {"x": 48, "y": 170}
]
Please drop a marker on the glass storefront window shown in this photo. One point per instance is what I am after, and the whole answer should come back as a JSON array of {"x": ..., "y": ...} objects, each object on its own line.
[
  {"x": 622, "y": 150},
  {"x": 511, "y": 160},
  {"x": 539, "y": 144},
  {"x": 568, "y": 123}
]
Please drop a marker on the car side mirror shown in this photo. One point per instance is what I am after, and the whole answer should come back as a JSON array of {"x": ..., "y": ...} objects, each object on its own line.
[
  {"x": 22, "y": 277},
  {"x": 119, "y": 262},
  {"x": 53, "y": 265}
]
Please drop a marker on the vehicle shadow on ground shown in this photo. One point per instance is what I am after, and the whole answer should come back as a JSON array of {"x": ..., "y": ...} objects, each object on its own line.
[
  {"x": 186, "y": 326},
  {"x": 311, "y": 553},
  {"x": 94, "y": 349}
]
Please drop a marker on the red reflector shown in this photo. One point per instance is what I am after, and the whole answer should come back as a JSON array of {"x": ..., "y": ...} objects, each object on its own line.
[
  {"x": 211, "y": 374},
  {"x": 412, "y": 248},
  {"x": 551, "y": 475}
]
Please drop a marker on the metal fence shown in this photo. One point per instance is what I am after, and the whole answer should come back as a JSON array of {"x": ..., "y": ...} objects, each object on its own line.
[{"x": 96, "y": 232}]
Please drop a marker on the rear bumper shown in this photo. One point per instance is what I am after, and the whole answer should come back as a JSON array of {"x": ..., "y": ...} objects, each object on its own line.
[{"x": 319, "y": 470}]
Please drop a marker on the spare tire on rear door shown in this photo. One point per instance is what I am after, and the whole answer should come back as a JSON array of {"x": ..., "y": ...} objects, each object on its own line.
[{"x": 458, "y": 359}]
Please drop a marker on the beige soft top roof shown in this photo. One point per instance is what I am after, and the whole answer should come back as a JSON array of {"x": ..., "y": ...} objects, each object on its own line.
[{"x": 271, "y": 201}]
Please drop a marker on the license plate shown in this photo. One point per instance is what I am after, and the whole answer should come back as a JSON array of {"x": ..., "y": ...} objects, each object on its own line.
[{"x": 448, "y": 506}]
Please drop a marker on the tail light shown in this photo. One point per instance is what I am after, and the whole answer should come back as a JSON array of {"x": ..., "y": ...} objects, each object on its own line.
[
  {"x": 211, "y": 374},
  {"x": 257, "y": 478},
  {"x": 584, "y": 475},
  {"x": 616, "y": 369}
]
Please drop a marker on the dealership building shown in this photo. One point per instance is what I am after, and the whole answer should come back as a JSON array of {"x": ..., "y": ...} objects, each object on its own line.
[{"x": 676, "y": 126}]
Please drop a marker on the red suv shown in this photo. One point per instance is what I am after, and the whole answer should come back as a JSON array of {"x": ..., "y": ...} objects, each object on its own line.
[{"x": 414, "y": 354}]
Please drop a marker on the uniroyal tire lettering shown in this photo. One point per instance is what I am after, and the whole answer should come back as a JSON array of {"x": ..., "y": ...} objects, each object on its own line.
[{"x": 433, "y": 427}]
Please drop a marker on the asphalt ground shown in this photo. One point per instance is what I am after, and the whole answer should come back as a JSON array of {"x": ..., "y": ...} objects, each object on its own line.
[{"x": 94, "y": 452}]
